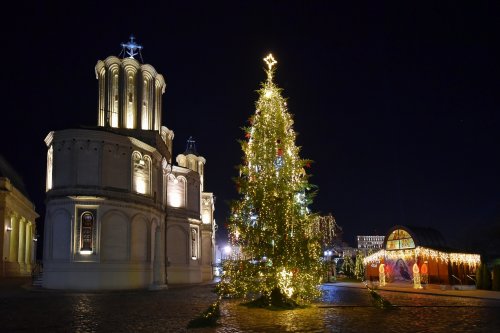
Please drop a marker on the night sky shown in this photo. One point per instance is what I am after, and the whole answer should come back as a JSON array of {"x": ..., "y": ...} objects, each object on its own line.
[{"x": 397, "y": 104}]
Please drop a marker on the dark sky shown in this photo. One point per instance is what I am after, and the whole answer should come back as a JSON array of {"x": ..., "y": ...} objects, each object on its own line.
[{"x": 396, "y": 103}]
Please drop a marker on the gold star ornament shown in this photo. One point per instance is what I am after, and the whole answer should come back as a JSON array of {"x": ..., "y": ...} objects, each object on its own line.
[{"x": 270, "y": 61}]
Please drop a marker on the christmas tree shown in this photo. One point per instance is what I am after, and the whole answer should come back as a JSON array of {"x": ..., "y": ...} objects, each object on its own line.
[
  {"x": 359, "y": 268},
  {"x": 278, "y": 236}
]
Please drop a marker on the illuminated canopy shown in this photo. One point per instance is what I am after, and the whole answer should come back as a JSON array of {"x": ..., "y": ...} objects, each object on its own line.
[{"x": 411, "y": 242}]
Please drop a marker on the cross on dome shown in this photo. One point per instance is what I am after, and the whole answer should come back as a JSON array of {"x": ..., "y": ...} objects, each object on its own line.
[{"x": 131, "y": 48}]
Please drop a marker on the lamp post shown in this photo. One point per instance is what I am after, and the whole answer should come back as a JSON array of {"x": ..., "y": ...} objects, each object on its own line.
[
  {"x": 227, "y": 251},
  {"x": 328, "y": 255}
]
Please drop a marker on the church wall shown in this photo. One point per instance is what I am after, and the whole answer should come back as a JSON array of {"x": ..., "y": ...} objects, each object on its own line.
[
  {"x": 87, "y": 161},
  {"x": 177, "y": 245},
  {"x": 114, "y": 237},
  {"x": 194, "y": 192},
  {"x": 182, "y": 266},
  {"x": 63, "y": 164},
  {"x": 61, "y": 236},
  {"x": 206, "y": 255},
  {"x": 139, "y": 239},
  {"x": 123, "y": 246},
  {"x": 116, "y": 166}
]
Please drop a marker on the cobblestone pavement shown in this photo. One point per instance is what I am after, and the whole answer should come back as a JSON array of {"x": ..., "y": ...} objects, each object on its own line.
[
  {"x": 125, "y": 311},
  {"x": 346, "y": 309},
  {"x": 342, "y": 309}
]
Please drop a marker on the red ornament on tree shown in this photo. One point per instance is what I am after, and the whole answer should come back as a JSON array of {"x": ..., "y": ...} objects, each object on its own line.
[
  {"x": 308, "y": 165},
  {"x": 247, "y": 135},
  {"x": 280, "y": 152}
]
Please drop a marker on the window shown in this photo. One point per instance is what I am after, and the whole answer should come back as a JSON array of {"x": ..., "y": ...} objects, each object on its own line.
[
  {"x": 400, "y": 239},
  {"x": 176, "y": 191},
  {"x": 130, "y": 107},
  {"x": 86, "y": 233},
  {"x": 49, "y": 168},
  {"x": 145, "y": 121},
  {"x": 194, "y": 244},
  {"x": 114, "y": 110},
  {"x": 141, "y": 178}
]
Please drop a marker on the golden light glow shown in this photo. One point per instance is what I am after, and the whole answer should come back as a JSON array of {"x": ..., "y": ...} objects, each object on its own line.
[
  {"x": 130, "y": 119},
  {"x": 206, "y": 217},
  {"x": 416, "y": 277},
  {"x": 114, "y": 119},
  {"x": 285, "y": 282},
  {"x": 140, "y": 185},
  {"x": 381, "y": 274},
  {"x": 175, "y": 199},
  {"x": 279, "y": 243},
  {"x": 270, "y": 61},
  {"x": 425, "y": 253},
  {"x": 85, "y": 252}
]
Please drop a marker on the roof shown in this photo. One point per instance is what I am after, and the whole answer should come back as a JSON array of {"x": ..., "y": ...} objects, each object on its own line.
[
  {"x": 7, "y": 171},
  {"x": 422, "y": 236}
]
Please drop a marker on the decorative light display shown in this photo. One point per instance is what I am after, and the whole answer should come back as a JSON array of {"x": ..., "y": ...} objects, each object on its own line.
[
  {"x": 381, "y": 275},
  {"x": 280, "y": 239},
  {"x": 416, "y": 277},
  {"x": 425, "y": 253}
]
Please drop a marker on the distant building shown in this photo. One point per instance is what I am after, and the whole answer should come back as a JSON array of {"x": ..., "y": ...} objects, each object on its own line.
[
  {"x": 17, "y": 224},
  {"x": 366, "y": 243},
  {"x": 119, "y": 214}
]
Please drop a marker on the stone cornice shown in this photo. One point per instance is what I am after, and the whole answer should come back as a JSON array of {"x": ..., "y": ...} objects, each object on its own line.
[
  {"x": 103, "y": 201},
  {"x": 111, "y": 194}
]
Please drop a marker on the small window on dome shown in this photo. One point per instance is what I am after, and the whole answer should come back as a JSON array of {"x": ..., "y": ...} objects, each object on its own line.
[{"x": 400, "y": 239}]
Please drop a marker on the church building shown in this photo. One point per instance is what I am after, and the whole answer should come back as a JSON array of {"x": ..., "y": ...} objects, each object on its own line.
[
  {"x": 119, "y": 214},
  {"x": 17, "y": 224}
]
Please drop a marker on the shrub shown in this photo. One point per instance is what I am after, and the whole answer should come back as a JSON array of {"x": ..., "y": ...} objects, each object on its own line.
[
  {"x": 496, "y": 278},
  {"x": 485, "y": 277},
  {"x": 479, "y": 278}
]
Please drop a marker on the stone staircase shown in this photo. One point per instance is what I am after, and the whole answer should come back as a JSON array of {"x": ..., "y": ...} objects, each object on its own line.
[
  {"x": 38, "y": 280},
  {"x": 37, "y": 275}
]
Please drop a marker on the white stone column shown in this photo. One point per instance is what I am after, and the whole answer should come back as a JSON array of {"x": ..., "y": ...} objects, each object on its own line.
[
  {"x": 14, "y": 238},
  {"x": 28, "y": 239},
  {"x": 22, "y": 240}
]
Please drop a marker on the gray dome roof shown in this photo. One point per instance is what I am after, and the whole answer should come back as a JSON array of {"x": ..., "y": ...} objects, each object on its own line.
[{"x": 422, "y": 236}]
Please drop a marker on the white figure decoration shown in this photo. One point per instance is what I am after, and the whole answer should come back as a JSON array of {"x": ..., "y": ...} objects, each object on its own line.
[
  {"x": 381, "y": 275},
  {"x": 416, "y": 277}
]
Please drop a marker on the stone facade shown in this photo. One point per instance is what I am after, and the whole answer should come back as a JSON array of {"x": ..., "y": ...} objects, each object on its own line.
[
  {"x": 119, "y": 214},
  {"x": 17, "y": 229}
]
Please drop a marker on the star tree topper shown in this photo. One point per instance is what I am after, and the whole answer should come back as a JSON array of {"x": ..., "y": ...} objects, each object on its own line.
[{"x": 270, "y": 61}]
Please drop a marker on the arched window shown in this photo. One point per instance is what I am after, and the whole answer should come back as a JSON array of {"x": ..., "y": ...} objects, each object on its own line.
[
  {"x": 400, "y": 239},
  {"x": 86, "y": 233},
  {"x": 176, "y": 191},
  {"x": 115, "y": 103},
  {"x": 141, "y": 178},
  {"x": 145, "y": 112},
  {"x": 49, "y": 168},
  {"x": 194, "y": 243}
]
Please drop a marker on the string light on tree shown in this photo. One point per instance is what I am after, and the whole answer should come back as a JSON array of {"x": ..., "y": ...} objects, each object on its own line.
[{"x": 279, "y": 238}]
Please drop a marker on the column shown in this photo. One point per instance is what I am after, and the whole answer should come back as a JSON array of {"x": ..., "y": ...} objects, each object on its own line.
[
  {"x": 14, "y": 238},
  {"x": 27, "y": 249},
  {"x": 22, "y": 239}
]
